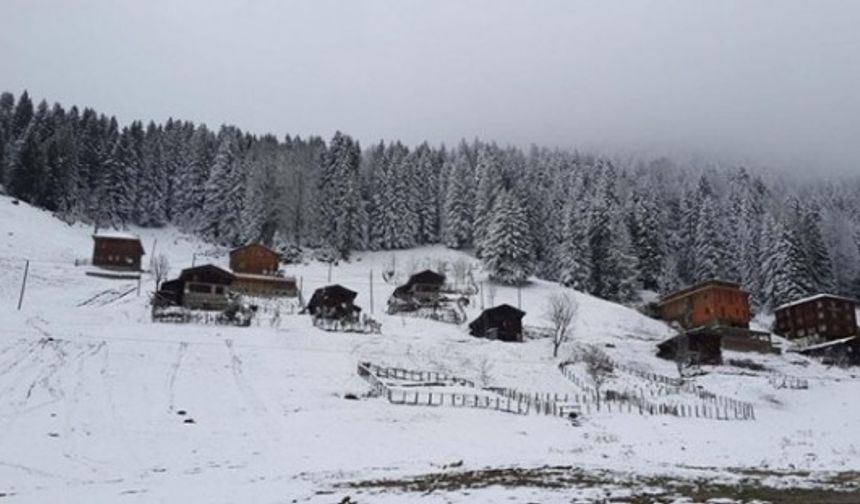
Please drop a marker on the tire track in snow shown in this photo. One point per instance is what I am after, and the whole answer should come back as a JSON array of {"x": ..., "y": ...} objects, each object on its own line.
[
  {"x": 72, "y": 425},
  {"x": 117, "y": 422},
  {"x": 249, "y": 395},
  {"x": 171, "y": 378}
]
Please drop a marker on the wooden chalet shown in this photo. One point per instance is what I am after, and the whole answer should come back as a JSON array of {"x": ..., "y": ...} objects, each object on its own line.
[
  {"x": 333, "y": 302},
  {"x": 205, "y": 287},
  {"x": 117, "y": 251},
  {"x": 694, "y": 347},
  {"x": 254, "y": 259},
  {"x": 503, "y": 322},
  {"x": 819, "y": 317},
  {"x": 422, "y": 286},
  {"x": 711, "y": 303}
]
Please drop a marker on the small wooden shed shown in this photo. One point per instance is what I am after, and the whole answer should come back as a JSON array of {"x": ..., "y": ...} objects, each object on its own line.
[
  {"x": 503, "y": 322},
  {"x": 333, "y": 302},
  {"x": 254, "y": 259},
  {"x": 118, "y": 251}
]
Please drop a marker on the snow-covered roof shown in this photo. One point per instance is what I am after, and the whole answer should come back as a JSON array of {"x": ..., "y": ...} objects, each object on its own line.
[
  {"x": 826, "y": 344},
  {"x": 812, "y": 298},
  {"x": 270, "y": 278},
  {"x": 116, "y": 235},
  {"x": 707, "y": 284}
]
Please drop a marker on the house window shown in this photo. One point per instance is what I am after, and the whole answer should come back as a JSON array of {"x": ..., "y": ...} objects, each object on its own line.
[
  {"x": 199, "y": 288},
  {"x": 219, "y": 289},
  {"x": 822, "y": 328}
]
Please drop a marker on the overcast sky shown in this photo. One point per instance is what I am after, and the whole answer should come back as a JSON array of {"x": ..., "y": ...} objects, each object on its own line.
[{"x": 776, "y": 81}]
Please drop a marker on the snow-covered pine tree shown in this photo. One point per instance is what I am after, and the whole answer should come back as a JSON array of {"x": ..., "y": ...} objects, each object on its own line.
[
  {"x": 818, "y": 261},
  {"x": 459, "y": 203},
  {"x": 340, "y": 206},
  {"x": 423, "y": 179},
  {"x": 152, "y": 184},
  {"x": 27, "y": 167},
  {"x": 488, "y": 175},
  {"x": 782, "y": 264},
  {"x": 575, "y": 256},
  {"x": 508, "y": 246},
  {"x": 709, "y": 249},
  {"x": 221, "y": 219},
  {"x": 647, "y": 238}
]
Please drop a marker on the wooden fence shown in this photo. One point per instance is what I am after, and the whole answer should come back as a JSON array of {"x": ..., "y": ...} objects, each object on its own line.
[{"x": 712, "y": 406}]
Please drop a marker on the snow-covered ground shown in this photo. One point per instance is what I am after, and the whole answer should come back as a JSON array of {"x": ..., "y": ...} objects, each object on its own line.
[{"x": 98, "y": 404}]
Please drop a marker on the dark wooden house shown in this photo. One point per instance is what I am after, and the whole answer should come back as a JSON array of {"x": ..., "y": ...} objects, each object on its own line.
[
  {"x": 333, "y": 302},
  {"x": 712, "y": 303},
  {"x": 254, "y": 259},
  {"x": 205, "y": 287},
  {"x": 694, "y": 347},
  {"x": 820, "y": 317},
  {"x": 119, "y": 251},
  {"x": 503, "y": 322}
]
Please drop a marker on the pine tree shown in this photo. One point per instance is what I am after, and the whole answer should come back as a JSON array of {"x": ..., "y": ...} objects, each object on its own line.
[
  {"x": 221, "y": 219},
  {"x": 27, "y": 167},
  {"x": 341, "y": 211},
  {"x": 575, "y": 256},
  {"x": 709, "y": 247},
  {"x": 782, "y": 266},
  {"x": 646, "y": 235},
  {"x": 508, "y": 247},
  {"x": 817, "y": 257},
  {"x": 459, "y": 204},
  {"x": 152, "y": 184},
  {"x": 489, "y": 184}
]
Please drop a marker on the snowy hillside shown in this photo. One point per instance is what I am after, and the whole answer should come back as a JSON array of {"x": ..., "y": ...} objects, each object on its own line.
[{"x": 99, "y": 404}]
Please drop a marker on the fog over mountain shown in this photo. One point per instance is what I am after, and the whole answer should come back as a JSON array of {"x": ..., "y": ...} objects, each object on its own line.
[{"x": 760, "y": 82}]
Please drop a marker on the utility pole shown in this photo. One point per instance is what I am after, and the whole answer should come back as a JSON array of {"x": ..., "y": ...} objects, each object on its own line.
[
  {"x": 138, "y": 285},
  {"x": 371, "y": 291},
  {"x": 482, "y": 295},
  {"x": 23, "y": 284},
  {"x": 154, "y": 242},
  {"x": 519, "y": 296},
  {"x": 329, "y": 272},
  {"x": 193, "y": 259}
]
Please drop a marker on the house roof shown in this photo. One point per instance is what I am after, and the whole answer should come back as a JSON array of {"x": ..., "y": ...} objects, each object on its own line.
[
  {"x": 253, "y": 245},
  {"x": 812, "y": 298},
  {"x": 708, "y": 284},
  {"x": 427, "y": 277},
  {"x": 116, "y": 235},
  {"x": 264, "y": 278},
  {"x": 504, "y": 309},
  {"x": 336, "y": 290},
  {"x": 826, "y": 344},
  {"x": 206, "y": 268}
]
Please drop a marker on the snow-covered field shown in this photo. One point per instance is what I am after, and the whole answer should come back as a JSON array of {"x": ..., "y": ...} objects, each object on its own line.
[{"x": 98, "y": 404}]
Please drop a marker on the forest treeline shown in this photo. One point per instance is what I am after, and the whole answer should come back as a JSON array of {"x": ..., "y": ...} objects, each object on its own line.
[{"x": 606, "y": 227}]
